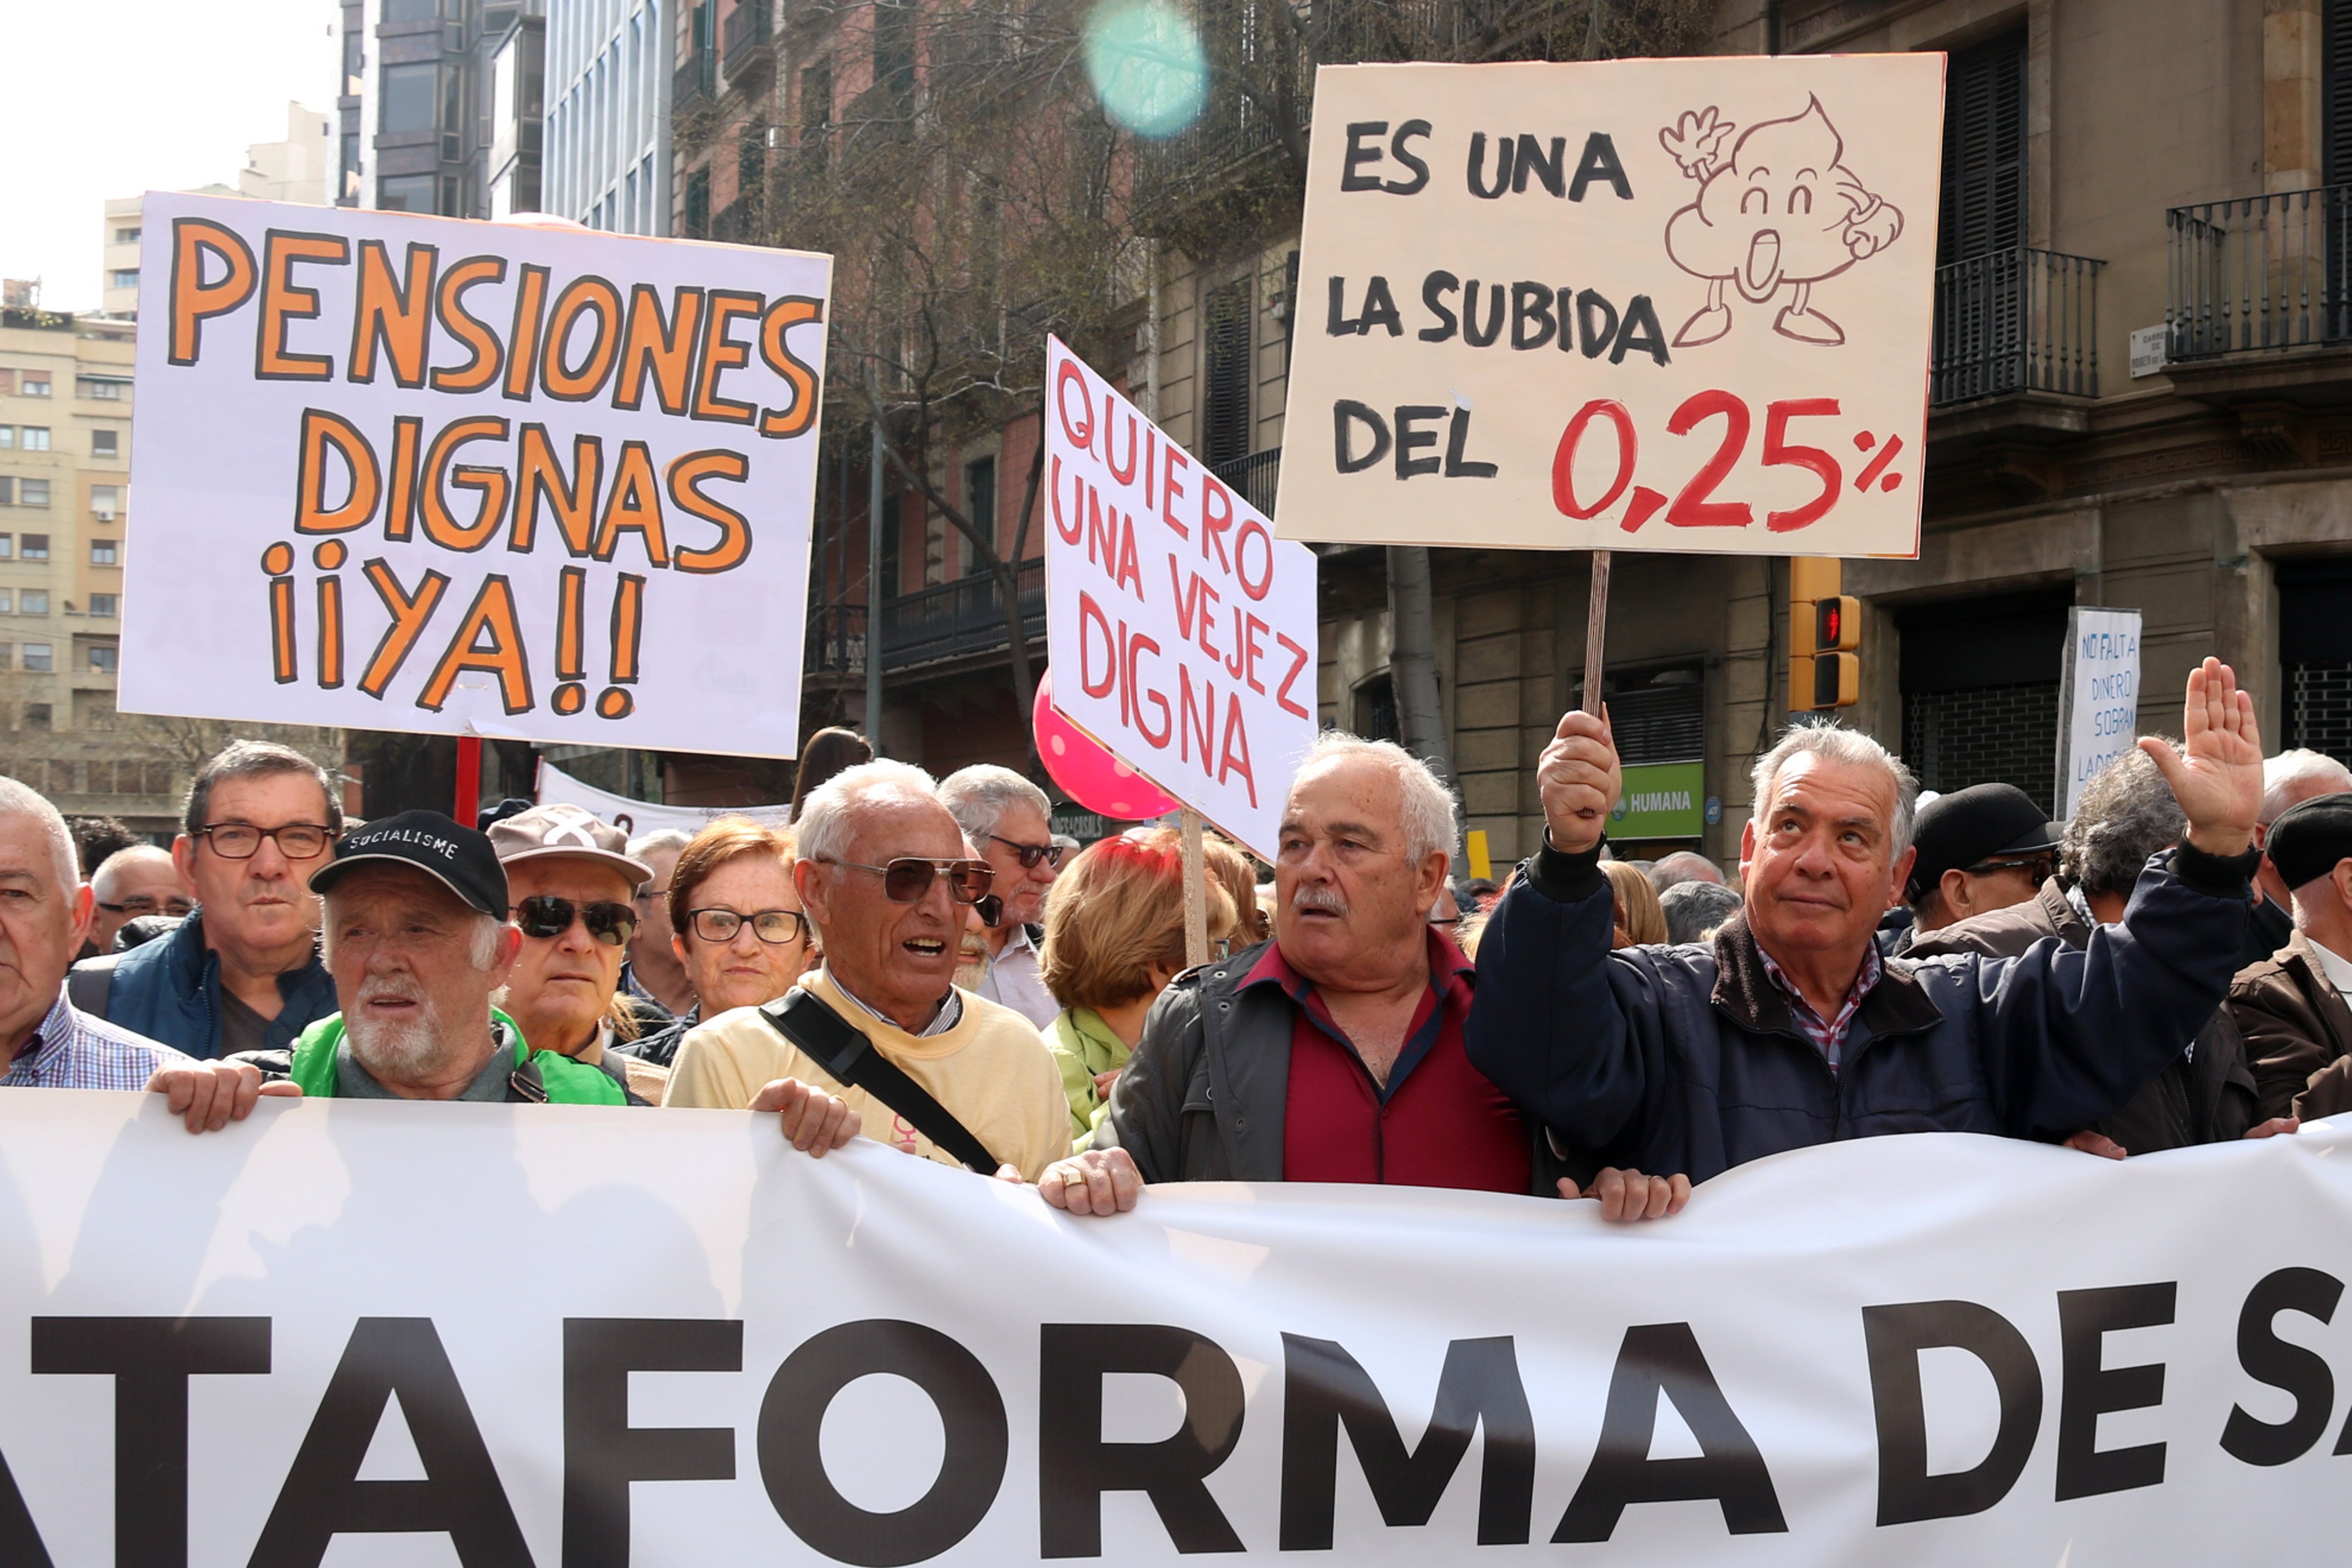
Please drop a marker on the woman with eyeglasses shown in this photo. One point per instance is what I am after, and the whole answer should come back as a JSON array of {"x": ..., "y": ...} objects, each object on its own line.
[
  {"x": 740, "y": 931},
  {"x": 1114, "y": 939}
]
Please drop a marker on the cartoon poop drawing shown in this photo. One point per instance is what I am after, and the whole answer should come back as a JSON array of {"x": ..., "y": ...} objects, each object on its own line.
[{"x": 1780, "y": 209}]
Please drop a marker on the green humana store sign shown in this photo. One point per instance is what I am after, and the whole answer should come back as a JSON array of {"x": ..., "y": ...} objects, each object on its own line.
[{"x": 1662, "y": 800}]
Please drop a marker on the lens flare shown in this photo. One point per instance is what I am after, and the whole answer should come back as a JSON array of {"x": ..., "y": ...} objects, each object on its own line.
[{"x": 1147, "y": 65}]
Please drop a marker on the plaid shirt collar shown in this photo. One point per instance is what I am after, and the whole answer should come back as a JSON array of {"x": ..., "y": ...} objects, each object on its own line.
[
  {"x": 1827, "y": 1035},
  {"x": 73, "y": 1050}
]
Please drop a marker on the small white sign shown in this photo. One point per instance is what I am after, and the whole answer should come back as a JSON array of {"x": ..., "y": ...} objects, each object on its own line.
[
  {"x": 2147, "y": 350},
  {"x": 2098, "y": 697}
]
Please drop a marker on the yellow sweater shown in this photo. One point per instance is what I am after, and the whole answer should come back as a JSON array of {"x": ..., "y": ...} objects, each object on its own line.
[{"x": 993, "y": 1070}]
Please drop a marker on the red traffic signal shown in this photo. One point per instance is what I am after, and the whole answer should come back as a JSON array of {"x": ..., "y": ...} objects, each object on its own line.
[{"x": 1837, "y": 624}]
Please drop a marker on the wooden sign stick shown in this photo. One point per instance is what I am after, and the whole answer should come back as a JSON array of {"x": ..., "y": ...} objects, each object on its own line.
[
  {"x": 1196, "y": 889},
  {"x": 1596, "y": 631}
]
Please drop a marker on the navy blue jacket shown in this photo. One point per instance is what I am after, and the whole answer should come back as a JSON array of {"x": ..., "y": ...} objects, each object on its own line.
[
  {"x": 169, "y": 990},
  {"x": 1686, "y": 1060}
]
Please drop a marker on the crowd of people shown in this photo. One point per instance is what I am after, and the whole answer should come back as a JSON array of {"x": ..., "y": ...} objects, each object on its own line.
[{"x": 2167, "y": 967}]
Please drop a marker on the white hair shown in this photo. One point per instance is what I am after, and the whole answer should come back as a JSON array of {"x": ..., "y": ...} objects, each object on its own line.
[
  {"x": 2283, "y": 775},
  {"x": 979, "y": 796},
  {"x": 1426, "y": 811},
  {"x": 17, "y": 796},
  {"x": 822, "y": 830},
  {"x": 482, "y": 954},
  {"x": 112, "y": 869},
  {"x": 1837, "y": 743},
  {"x": 1684, "y": 866},
  {"x": 660, "y": 838}
]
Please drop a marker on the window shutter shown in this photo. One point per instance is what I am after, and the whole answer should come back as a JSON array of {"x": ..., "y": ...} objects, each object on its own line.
[
  {"x": 1225, "y": 400},
  {"x": 1984, "y": 149},
  {"x": 2335, "y": 92}
]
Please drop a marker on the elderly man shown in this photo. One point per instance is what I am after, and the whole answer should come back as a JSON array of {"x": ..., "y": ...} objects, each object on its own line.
[
  {"x": 45, "y": 913},
  {"x": 1684, "y": 865},
  {"x": 655, "y": 973},
  {"x": 1791, "y": 1031},
  {"x": 2291, "y": 1008},
  {"x": 1979, "y": 849},
  {"x": 881, "y": 871},
  {"x": 417, "y": 939},
  {"x": 2126, "y": 816},
  {"x": 242, "y": 973},
  {"x": 2288, "y": 780},
  {"x": 1333, "y": 1052},
  {"x": 1005, "y": 816},
  {"x": 130, "y": 883}
]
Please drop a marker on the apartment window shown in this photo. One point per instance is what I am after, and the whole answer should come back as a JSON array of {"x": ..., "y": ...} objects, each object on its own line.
[
  {"x": 8, "y": 656},
  {"x": 698, "y": 204},
  {"x": 101, "y": 660},
  {"x": 34, "y": 602},
  {"x": 405, "y": 193},
  {"x": 7, "y": 601},
  {"x": 35, "y": 546},
  {"x": 411, "y": 96},
  {"x": 36, "y": 714},
  {"x": 106, "y": 442},
  {"x": 102, "y": 551},
  {"x": 7, "y": 546},
  {"x": 32, "y": 492},
  {"x": 1984, "y": 150},
  {"x": 102, "y": 390},
  {"x": 35, "y": 438},
  {"x": 8, "y": 384},
  {"x": 105, "y": 606},
  {"x": 41, "y": 659},
  {"x": 124, "y": 278},
  {"x": 816, "y": 115},
  {"x": 7, "y": 490},
  {"x": 126, "y": 236},
  {"x": 894, "y": 46},
  {"x": 1225, "y": 372},
  {"x": 980, "y": 505},
  {"x": 411, "y": 10},
  {"x": 34, "y": 384},
  {"x": 7, "y": 438}
]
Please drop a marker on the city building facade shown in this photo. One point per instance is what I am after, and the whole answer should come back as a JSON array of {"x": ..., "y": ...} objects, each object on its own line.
[
  {"x": 608, "y": 113},
  {"x": 441, "y": 111}
]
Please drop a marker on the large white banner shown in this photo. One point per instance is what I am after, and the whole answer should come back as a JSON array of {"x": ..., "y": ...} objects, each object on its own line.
[
  {"x": 639, "y": 817},
  {"x": 1181, "y": 631},
  {"x": 406, "y": 473},
  {"x": 1673, "y": 304},
  {"x": 375, "y": 1333}
]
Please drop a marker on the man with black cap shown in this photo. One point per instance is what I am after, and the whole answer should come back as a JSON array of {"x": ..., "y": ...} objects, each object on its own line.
[
  {"x": 1981, "y": 849},
  {"x": 2291, "y": 1007},
  {"x": 415, "y": 935}
]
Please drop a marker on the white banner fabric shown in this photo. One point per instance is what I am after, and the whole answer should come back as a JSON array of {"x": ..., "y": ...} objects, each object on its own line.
[
  {"x": 470, "y": 477},
  {"x": 1667, "y": 304},
  {"x": 639, "y": 817},
  {"x": 491, "y": 1335},
  {"x": 1181, "y": 631}
]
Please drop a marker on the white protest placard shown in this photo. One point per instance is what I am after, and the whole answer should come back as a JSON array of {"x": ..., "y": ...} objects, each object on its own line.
[
  {"x": 407, "y": 473},
  {"x": 396, "y": 1333},
  {"x": 638, "y": 817},
  {"x": 1671, "y": 304},
  {"x": 2098, "y": 697},
  {"x": 1181, "y": 631}
]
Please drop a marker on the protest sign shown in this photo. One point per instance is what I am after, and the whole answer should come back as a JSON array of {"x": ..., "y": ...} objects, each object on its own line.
[
  {"x": 363, "y": 1331},
  {"x": 406, "y": 473},
  {"x": 2098, "y": 697},
  {"x": 1181, "y": 631},
  {"x": 637, "y": 818},
  {"x": 1673, "y": 304}
]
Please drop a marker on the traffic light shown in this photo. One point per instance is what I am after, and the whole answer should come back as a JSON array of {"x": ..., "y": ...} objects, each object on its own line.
[{"x": 1824, "y": 636}]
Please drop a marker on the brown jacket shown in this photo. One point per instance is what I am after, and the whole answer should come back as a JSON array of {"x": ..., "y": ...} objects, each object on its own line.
[
  {"x": 2206, "y": 1096},
  {"x": 2298, "y": 1033}
]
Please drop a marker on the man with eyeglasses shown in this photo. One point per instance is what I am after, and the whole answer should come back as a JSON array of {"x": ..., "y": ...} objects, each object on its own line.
[
  {"x": 1005, "y": 816},
  {"x": 571, "y": 888},
  {"x": 881, "y": 871},
  {"x": 1981, "y": 849},
  {"x": 131, "y": 884},
  {"x": 242, "y": 973}
]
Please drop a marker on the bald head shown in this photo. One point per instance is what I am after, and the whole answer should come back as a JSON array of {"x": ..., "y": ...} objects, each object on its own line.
[{"x": 128, "y": 883}]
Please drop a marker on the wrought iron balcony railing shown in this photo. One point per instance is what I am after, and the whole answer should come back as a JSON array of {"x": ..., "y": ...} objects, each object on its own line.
[
  {"x": 965, "y": 616},
  {"x": 1254, "y": 478},
  {"x": 2268, "y": 272},
  {"x": 747, "y": 36},
  {"x": 2016, "y": 320}
]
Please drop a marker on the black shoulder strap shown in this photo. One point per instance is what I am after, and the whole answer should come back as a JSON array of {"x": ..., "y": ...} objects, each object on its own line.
[
  {"x": 850, "y": 1056},
  {"x": 88, "y": 983}
]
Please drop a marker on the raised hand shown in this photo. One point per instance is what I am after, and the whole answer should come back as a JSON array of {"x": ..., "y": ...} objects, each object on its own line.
[
  {"x": 1579, "y": 780},
  {"x": 2217, "y": 774}
]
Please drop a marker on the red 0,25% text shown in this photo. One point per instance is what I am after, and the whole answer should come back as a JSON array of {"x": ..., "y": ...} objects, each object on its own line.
[{"x": 1694, "y": 506}]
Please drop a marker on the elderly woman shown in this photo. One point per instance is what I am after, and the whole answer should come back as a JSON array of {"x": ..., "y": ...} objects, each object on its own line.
[
  {"x": 1113, "y": 938},
  {"x": 1639, "y": 921},
  {"x": 740, "y": 930}
]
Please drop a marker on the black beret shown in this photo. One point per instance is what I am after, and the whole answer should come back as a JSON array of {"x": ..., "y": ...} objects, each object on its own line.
[
  {"x": 2307, "y": 840},
  {"x": 1955, "y": 831}
]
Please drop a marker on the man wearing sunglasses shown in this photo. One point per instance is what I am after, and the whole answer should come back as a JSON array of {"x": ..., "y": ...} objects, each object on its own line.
[
  {"x": 881, "y": 871},
  {"x": 1981, "y": 849},
  {"x": 571, "y": 886},
  {"x": 1004, "y": 816},
  {"x": 130, "y": 883},
  {"x": 242, "y": 973}
]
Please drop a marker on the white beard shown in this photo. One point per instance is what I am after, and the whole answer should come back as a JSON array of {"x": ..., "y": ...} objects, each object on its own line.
[{"x": 397, "y": 1052}]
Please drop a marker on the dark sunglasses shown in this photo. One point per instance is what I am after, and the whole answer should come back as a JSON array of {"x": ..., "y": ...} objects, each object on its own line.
[
  {"x": 1030, "y": 854},
  {"x": 2040, "y": 865},
  {"x": 543, "y": 917},
  {"x": 906, "y": 879},
  {"x": 777, "y": 928},
  {"x": 143, "y": 905}
]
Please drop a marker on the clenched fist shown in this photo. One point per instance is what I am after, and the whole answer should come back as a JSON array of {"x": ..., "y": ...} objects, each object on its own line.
[{"x": 1580, "y": 781}]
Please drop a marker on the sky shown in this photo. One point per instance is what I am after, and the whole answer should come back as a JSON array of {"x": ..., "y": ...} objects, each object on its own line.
[{"x": 104, "y": 100}]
